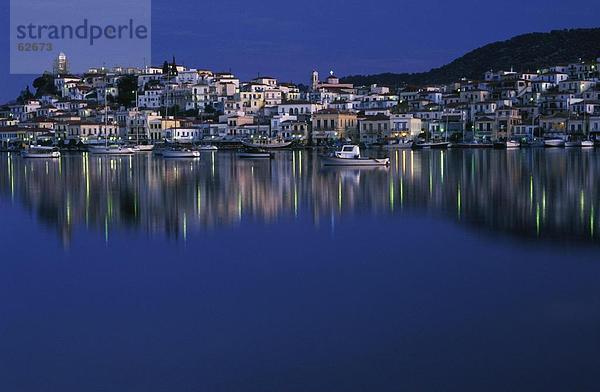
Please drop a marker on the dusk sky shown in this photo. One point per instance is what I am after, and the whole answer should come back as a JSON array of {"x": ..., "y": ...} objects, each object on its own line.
[{"x": 288, "y": 40}]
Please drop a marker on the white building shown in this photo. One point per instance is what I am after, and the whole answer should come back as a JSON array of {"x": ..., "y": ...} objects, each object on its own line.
[
  {"x": 405, "y": 125},
  {"x": 183, "y": 135}
]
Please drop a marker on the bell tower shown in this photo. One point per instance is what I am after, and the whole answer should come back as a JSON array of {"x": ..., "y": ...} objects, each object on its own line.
[{"x": 314, "y": 80}]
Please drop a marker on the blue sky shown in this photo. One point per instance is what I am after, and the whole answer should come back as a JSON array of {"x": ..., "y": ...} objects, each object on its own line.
[{"x": 288, "y": 40}]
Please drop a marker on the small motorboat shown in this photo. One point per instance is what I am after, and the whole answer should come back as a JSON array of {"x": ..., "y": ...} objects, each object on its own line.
[
  {"x": 181, "y": 153},
  {"x": 114, "y": 149},
  {"x": 41, "y": 152},
  {"x": 400, "y": 145},
  {"x": 207, "y": 147},
  {"x": 507, "y": 144},
  {"x": 554, "y": 142},
  {"x": 350, "y": 155},
  {"x": 143, "y": 147},
  {"x": 267, "y": 143},
  {"x": 587, "y": 144},
  {"x": 431, "y": 145}
]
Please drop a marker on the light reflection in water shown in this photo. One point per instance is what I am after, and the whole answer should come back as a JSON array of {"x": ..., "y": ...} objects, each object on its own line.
[{"x": 546, "y": 194}]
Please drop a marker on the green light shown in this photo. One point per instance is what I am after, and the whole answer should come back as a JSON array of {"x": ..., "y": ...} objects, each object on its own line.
[
  {"x": 402, "y": 192},
  {"x": 544, "y": 204},
  {"x": 430, "y": 183},
  {"x": 531, "y": 190}
]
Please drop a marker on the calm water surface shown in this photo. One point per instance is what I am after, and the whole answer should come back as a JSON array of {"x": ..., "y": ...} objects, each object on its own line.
[{"x": 451, "y": 270}]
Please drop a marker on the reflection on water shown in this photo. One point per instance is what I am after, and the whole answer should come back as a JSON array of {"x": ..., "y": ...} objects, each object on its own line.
[{"x": 545, "y": 194}]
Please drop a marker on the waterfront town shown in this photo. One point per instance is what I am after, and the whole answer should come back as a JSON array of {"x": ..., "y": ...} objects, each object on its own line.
[{"x": 177, "y": 104}]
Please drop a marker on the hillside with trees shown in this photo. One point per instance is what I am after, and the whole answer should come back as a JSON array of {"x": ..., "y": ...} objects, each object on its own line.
[{"x": 528, "y": 52}]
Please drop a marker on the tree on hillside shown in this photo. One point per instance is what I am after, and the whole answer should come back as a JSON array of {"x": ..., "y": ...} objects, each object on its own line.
[
  {"x": 127, "y": 86},
  {"x": 44, "y": 85},
  {"x": 174, "y": 68},
  {"x": 25, "y": 96},
  {"x": 523, "y": 53},
  {"x": 166, "y": 68}
]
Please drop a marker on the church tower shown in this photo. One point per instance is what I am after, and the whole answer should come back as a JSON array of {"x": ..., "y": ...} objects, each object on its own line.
[
  {"x": 314, "y": 80},
  {"x": 61, "y": 64}
]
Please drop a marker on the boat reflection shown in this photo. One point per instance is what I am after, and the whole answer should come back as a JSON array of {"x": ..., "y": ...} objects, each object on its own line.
[{"x": 529, "y": 194}]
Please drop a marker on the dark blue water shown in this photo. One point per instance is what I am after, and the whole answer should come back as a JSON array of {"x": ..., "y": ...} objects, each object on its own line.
[{"x": 458, "y": 270}]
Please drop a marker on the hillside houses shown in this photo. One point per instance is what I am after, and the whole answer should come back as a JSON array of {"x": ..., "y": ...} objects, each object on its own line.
[{"x": 180, "y": 103}]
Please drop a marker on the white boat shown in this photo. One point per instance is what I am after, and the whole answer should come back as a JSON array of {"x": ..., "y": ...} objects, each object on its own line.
[
  {"x": 587, "y": 144},
  {"x": 349, "y": 155},
  {"x": 554, "y": 142},
  {"x": 402, "y": 144},
  {"x": 267, "y": 143},
  {"x": 40, "y": 152},
  {"x": 143, "y": 147},
  {"x": 572, "y": 143},
  {"x": 508, "y": 144},
  {"x": 208, "y": 148},
  {"x": 114, "y": 149},
  {"x": 182, "y": 153}
]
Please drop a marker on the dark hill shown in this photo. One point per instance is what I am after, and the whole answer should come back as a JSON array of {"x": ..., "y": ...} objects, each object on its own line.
[{"x": 527, "y": 52}]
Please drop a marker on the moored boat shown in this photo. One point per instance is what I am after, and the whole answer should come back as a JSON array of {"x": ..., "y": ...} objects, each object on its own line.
[
  {"x": 507, "y": 144},
  {"x": 114, "y": 149},
  {"x": 207, "y": 147},
  {"x": 587, "y": 144},
  {"x": 400, "y": 145},
  {"x": 180, "y": 153},
  {"x": 554, "y": 142},
  {"x": 40, "y": 152},
  {"x": 267, "y": 143},
  {"x": 143, "y": 147},
  {"x": 533, "y": 143},
  {"x": 350, "y": 155}
]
